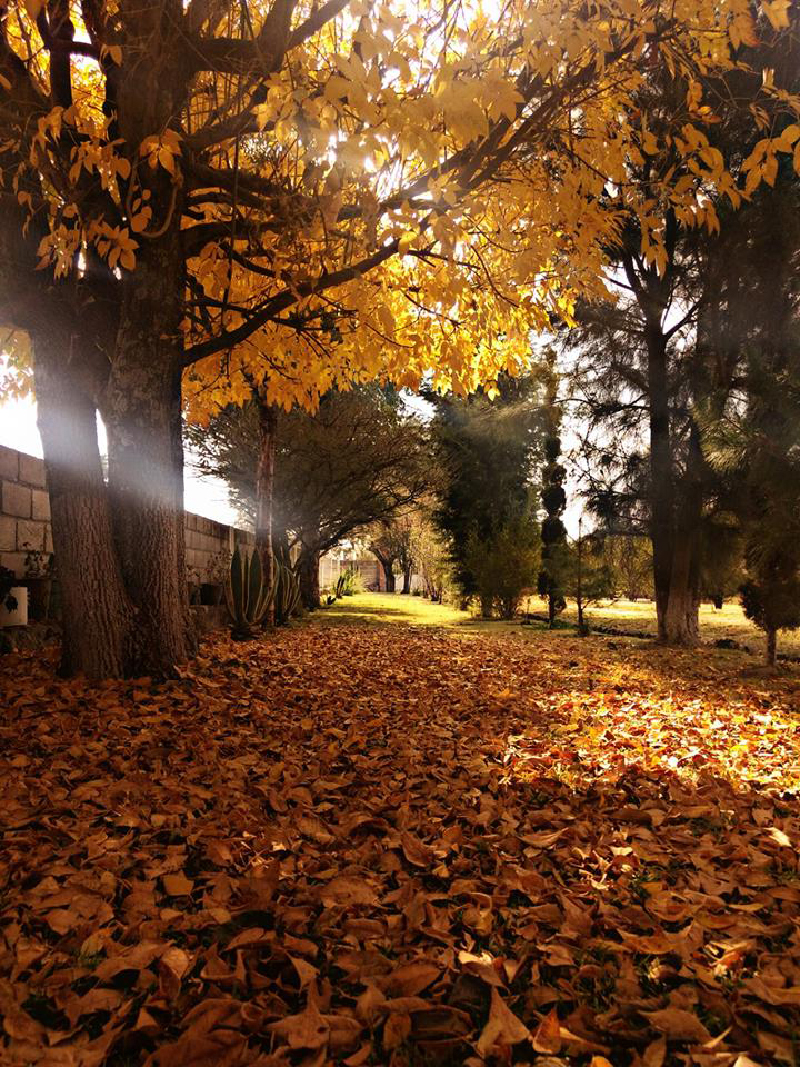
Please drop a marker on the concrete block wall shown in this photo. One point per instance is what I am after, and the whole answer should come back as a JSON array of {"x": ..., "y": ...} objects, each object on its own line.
[
  {"x": 208, "y": 545},
  {"x": 25, "y": 520},
  {"x": 332, "y": 565},
  {"x": 24, "y": 508}
]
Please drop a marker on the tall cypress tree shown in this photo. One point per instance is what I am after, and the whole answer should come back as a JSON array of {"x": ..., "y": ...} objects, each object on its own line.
[{"x": 555, "y": 554}]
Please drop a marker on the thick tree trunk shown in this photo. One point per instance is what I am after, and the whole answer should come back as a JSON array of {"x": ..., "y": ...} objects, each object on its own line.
[
  {"x": 487, "y": 603},
  {"x": 265, "y": 479},
  {"x": 96, "y": 614},
  {"x": 145, "y": 466},
  {"x": 308, "y": 575},
  {"x": 772, "y": 647}
]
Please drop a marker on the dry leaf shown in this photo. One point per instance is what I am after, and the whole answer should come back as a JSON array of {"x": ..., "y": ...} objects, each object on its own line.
[{"x": 503, "y": 1027}]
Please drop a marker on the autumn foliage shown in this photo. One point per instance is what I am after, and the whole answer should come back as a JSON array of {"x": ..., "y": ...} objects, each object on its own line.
[{"x": 401, "y": 847}]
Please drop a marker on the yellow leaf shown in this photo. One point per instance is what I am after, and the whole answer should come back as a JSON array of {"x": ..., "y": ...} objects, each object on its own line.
[
  {"x": 777, "y": 11},
  {"x": 140, "y": 221}
]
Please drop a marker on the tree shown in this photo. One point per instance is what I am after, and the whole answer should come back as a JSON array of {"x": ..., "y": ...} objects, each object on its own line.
[
  {"x": 384, "y": 546},
  {"x": 753, "y": 439},
  {"x": 654, "y": 367},
  {"x": 429, "y": 552},
  {"x": 504, "y": 564},
  {"x": 487, "y": 451},
  {"x": 721, "y": 562},
  {"x": 756, "y": 443},
  {"x": 628, "y": 560},
  {"x": 357, "y": 461},
  {"x": 391, "y": 543},
  {"x": 589, "y": 578},
  {"x": 207, "y": 167},
  {"x": 555, "y": 556}
]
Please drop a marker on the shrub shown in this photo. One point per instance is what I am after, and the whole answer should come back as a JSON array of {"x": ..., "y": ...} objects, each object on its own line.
[
  {"x": 350, "y": 582},
  {"x": 505, "y": 565}
]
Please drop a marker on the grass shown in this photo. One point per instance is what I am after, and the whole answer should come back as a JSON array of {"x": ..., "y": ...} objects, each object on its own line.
[
  {"x": 636, "y": 618},
  {"x": 387, "y": 609}
]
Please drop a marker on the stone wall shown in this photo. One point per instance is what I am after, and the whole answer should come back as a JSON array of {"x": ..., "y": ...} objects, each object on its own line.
[{"x": 25, "y": 520}]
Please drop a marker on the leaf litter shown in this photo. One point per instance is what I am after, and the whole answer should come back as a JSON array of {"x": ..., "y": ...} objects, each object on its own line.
[{"x": 356, "y": 846}]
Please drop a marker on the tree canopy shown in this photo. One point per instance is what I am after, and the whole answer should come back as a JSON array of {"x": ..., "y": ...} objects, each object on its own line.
[{"x": 300, "y": 196}]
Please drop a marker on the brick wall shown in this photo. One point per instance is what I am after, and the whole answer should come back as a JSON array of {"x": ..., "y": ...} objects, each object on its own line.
[{"x": 25, "y": 518}]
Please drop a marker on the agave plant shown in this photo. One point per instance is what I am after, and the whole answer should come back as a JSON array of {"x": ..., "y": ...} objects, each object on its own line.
[
  {"x": 248, "y": 599},
  {"x": 287, "y": 593}
]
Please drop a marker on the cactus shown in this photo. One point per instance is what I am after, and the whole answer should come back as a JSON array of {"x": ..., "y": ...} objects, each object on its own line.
[
  {"x": 287, "y": 593},
  {"x": 248, "y": 600}
]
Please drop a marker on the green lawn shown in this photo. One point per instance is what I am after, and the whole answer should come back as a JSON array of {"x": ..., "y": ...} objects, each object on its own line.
[
  {"x": 638, "y": 618},
  {"x": 382, "y": 609}
]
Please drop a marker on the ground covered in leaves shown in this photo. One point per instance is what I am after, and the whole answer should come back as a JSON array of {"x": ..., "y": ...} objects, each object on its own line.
[{"x": 402, "y": 846}]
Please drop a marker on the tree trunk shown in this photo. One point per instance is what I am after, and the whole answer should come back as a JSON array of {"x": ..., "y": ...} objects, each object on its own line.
[
  {"x": 772, "y": 647},
  {"x": 407, "y": 580},
  {"x": 487, "y": 602},
  {"x": 265, "y": 480},
  {"x": 145, "y": 466},
  {"x": 682, "y": 623},
  {"x": 189, "y": 623},
  {"x": 308, "y": 575},
  {"x": 661, "y": 503},
  {"x": 96, "y": 615}
]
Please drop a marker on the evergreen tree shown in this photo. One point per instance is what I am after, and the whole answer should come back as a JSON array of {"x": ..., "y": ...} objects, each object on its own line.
[
  {"x": 555, "y": 552},
  {"x": 487, "y": 450}
]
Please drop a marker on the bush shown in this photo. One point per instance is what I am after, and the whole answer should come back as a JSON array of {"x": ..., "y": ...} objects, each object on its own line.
[{"x": 505, "y": 565}]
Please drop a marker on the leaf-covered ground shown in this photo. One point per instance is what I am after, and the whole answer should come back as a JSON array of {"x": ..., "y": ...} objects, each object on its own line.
[{"x": 402, "y": 846}]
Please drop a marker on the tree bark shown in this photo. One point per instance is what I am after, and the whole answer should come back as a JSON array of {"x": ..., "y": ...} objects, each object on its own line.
[
  {"x": 406, "y": 580},
  {"x": 772, "y": 646},
  {"x": 661, "y": 494},
  {"x": 145, "y": 466},
  {"x": 265, "y": 480},
  {"x": 388, "y": 576},
  {"x": 308, "y": 575},
  {"x": 96, "y": 615},
  {"x": 682, "y": 623}
]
